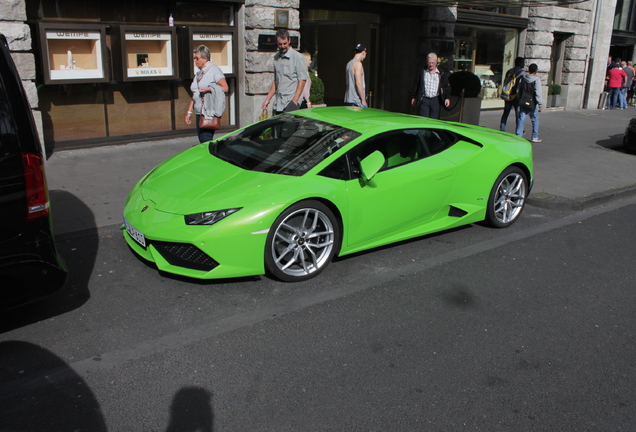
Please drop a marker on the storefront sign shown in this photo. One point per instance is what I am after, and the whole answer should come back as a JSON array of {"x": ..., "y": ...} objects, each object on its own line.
[
  {"x": 72, "y": 34},
  {"x": 211, "y": 37},
  {"x": 136, "y": 35}
]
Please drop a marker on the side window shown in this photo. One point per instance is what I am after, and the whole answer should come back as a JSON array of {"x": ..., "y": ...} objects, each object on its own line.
[
  {"x": 437, "y": 140},
  {"x": 338, "y": 169},
  {"x": 398, "y": 148}
]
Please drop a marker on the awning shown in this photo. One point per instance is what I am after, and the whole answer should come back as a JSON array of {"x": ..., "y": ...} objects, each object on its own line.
[{"x": 483, "y": 3}]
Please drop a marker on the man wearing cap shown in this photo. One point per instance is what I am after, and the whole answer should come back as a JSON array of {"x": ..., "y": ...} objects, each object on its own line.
[
  {"x": 290, "y": 75},
  {"x": 431, "y": 89},
  {"x": 355, "y": 92}
]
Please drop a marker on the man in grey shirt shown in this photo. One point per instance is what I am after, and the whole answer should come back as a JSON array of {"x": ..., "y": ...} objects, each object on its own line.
[
  {"x": 290, "y": 75},
  {"x": 355, "y": 92}
]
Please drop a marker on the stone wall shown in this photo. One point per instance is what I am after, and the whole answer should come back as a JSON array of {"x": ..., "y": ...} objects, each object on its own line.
[
  {"x": 18, "y": 34},
  {"x": 575, "y": 23},
  {"x": 258, "y": 16}
]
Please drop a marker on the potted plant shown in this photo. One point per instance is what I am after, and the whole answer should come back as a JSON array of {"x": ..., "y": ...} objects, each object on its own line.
[
  {"x": 554, "y": 90},
  {"x": 465, "y": 106},
  {"x": 317, "y": 90}
]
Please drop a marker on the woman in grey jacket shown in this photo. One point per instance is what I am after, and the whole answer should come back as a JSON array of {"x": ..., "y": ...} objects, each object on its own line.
[{"x": 207, "y": 75}]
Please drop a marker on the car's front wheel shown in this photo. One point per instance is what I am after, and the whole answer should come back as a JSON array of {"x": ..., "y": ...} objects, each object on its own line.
[
  {"x": 302, "y": 241},
  {"x": 507, "y": 198}
]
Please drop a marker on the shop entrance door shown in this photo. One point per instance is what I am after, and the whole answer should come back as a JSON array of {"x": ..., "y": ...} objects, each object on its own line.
[{"x": 333, "y": 46}]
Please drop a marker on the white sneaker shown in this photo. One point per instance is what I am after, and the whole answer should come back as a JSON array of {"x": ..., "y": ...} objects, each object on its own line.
[{"x": 536, "y": 140}]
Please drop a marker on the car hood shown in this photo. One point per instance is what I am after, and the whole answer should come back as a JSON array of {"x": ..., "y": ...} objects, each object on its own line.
[{"x": 196, "y": 181}]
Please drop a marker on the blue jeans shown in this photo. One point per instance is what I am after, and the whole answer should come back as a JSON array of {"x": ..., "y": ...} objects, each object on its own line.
[
  {"x": 614, "y": 94},
  {"x": 534, "y": 118},
  {"x": 509, "y": 105},
  {"x": 623, "y": 97}
]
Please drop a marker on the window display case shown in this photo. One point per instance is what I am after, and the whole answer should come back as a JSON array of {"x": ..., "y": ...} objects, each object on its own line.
[
  {"x": 73, "y": 53},
  {"x": 219, "y": 40},
  {"x": 143, "y": 53},
  {"x": 464, "y": 55}
]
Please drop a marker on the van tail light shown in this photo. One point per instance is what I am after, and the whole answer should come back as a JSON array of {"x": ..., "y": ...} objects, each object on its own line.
[{"x": 35, "y": 181}]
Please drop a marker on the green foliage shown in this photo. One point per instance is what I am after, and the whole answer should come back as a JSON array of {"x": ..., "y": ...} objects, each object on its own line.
[
  {"x": 317, "y": 90},
  {"x": 554, "y": 89},
  {"x": 465, "y": 80}
]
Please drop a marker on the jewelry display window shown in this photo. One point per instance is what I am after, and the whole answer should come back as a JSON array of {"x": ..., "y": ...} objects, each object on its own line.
[
  {"x": 220, "y": 40},
  {"x": 73, "y": 53},
  {"x": 220, "y": 46},
  {"x": 144, "y": 53}
]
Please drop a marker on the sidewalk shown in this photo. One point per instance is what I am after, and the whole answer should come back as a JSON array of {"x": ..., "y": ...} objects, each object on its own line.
[{"x": 574, "y": 168}]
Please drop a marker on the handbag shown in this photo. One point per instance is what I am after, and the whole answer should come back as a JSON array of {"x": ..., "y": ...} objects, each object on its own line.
[{"x": 211, "y": 123}]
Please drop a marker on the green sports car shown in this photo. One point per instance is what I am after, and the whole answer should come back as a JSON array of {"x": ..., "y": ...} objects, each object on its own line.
[{"x": 285, "y": 195}]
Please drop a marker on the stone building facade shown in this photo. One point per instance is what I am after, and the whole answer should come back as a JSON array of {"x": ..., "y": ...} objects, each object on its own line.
[
  {"x": 18, "y": 33},
  {"x": 569, "y": 43}
]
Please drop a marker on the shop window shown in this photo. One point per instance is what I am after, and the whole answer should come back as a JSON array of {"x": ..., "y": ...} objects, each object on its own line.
[
  {"x": 143, "y": 53},
  {"x": 132, "y": 11},
  {"x": 624, "y": 15},
  {"x": 488, "y": 53},
  {"x": 73, "y": 53}
]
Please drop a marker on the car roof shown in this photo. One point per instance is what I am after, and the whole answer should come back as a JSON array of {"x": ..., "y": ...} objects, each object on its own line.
[{"x": 365, "y": 120}]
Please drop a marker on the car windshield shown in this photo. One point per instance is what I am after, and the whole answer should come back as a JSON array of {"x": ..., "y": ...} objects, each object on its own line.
[{"x": 284, "y": 144}]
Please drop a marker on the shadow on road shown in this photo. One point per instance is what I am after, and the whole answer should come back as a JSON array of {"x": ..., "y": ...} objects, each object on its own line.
[
  {"x": 191, "y": 411},
  {"x": 40, "y": 392},
  {"x": 614, "y": 142},
  {"x": 79, "y": 251}
]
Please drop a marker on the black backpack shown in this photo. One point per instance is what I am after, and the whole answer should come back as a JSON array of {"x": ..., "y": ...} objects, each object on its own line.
[
  {"x": 525, "y": 92},
  {"x": 509, "y": 87}
]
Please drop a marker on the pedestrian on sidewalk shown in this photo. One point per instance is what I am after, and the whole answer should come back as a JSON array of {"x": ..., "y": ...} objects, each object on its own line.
[
  {"x": 355, "y": 92},
  {"x": 530, "y": 102},
  {"x": 628, "y": 84},
  {"x": 205, "y": 79},
  {"x": 511, "y": 79},
  {"x": 290, "y": 76},
  {"x": 616, "y": 79},
  {"x": 431, "y": 89}
]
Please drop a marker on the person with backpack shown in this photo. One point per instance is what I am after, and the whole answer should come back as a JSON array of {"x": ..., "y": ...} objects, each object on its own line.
[
  {"x": 530, "y": 102},
  {"x": 509, "y": 91}
]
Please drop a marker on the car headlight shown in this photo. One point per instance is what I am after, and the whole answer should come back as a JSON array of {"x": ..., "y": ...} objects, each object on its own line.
[{"x": 209, "y": 218}]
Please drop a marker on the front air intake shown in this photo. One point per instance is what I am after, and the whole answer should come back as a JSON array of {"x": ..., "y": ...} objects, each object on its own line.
[{"x": 185, "y": 255}]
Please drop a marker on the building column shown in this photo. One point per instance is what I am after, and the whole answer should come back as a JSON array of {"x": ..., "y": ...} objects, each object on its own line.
[
  {"x": 13, "y": 26},
  {"x": 259, "y": 66}
]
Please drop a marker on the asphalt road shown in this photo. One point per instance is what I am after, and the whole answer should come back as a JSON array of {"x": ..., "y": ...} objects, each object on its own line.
[{"x": 530, "y": 328}]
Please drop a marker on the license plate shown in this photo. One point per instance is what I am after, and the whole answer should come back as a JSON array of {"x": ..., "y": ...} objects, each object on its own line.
[{"x": 135, "y": 233}]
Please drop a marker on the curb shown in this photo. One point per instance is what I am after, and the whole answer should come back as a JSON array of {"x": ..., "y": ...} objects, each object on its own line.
[{"x": 554, "y": 202}]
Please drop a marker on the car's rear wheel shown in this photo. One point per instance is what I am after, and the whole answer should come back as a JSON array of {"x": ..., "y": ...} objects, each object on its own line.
[
  {"x": 507, "y": 198},
  {"x": 302, "y": 241}
]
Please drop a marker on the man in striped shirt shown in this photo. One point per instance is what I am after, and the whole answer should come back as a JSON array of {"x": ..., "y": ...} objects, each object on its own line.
[{"x": 431, "y": 89}]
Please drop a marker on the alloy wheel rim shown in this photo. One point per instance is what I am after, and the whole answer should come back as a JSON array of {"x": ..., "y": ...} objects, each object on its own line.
[
  {"x": 510, "y": 198},
  {"x": 303, "y": 242}
]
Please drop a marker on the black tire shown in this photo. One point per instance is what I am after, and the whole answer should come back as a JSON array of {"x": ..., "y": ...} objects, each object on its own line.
[
  {"x": 507, "y": 198},
  {"x": 302, "y": 241}
]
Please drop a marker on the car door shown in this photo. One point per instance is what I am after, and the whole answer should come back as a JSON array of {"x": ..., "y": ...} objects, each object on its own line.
[{"x": 408, "y": 191}]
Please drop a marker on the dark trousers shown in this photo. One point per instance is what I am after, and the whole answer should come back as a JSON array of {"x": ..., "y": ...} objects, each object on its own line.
[
  {"x": 429, "y": 107},
  {"x": 204, "y": 134}
]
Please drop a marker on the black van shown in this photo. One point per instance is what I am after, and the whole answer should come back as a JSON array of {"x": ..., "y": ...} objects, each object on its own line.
[{"x": 30, "y": 267}]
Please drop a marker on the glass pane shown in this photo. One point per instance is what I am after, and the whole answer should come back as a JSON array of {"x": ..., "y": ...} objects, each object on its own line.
[
  {"x": 206, "y": 13},
  {"x": 135, "y": 11},
  {"x": 68, "y": 9}
]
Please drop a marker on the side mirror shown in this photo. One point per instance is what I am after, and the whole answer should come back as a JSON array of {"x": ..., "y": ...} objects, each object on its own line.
[{"x": 371, "y": 164}]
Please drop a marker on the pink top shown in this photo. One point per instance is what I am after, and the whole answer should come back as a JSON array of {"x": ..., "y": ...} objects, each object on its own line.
[{"x": 616, "y": 77}]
